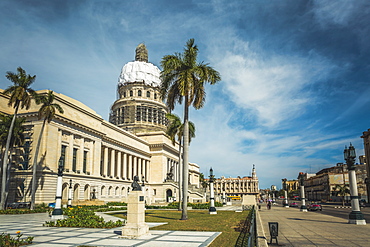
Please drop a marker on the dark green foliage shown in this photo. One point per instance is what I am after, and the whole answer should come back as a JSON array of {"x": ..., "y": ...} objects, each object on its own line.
[
  {"x": 116, "y": 204},
  {"x": 23, "y": 211},
  {"x": 175, "y": 205},
  {"x": 8, "y": 241},
  {"x": 83, "y": 217}
]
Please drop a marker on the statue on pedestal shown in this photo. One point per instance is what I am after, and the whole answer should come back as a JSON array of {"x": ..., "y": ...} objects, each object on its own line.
[{"x": 135, "y": 184}]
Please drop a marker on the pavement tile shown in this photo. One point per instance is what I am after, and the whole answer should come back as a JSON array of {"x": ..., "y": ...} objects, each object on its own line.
[
  {"x": 313, "y": 229},
  {"x": 117, "y": 242},
  {"x": 189, "y": 238},
  {"x": 161, "y": 244},
  {"x": 72, "y": 240}
]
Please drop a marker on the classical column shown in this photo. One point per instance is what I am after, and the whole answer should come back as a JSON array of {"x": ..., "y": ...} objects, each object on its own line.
[
  {"x": 105, "y": 162},
  {"x": 113, "y": 163},
  {"x": 135, "y": 166},
  {"x": 119, "y": 165},
  {"x": 124, "y": 168},
  {"x": 139, "y": 167},
  {"x": 129, "y": 167},
  {"x": 146, "y": 170}
]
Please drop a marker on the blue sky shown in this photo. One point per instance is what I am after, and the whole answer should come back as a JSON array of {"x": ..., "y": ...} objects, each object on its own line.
[{"x": 295, "y": 74}]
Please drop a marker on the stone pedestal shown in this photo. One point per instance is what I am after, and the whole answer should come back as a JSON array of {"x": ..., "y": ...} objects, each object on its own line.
[{"x": 136, "y": 225}]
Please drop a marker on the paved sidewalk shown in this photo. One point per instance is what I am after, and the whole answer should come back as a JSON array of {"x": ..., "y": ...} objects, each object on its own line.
[
  {"x": 31, "y": 225},
  {"x": 301, "y": 229}
]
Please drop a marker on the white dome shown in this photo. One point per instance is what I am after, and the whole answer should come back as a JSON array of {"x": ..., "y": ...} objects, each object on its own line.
[{"x": 140, "y": 71}]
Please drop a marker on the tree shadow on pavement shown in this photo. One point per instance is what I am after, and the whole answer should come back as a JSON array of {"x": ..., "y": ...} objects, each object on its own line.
[{"x": 336, "y": 222}]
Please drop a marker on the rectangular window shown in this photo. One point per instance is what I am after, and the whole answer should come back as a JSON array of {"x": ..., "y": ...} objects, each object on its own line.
[
  {"x": 74, "y": 160},
  {"x": 26, "y": 155},
  {"x": 63, "y": 155},
  {"x": 85, "y": 162}
]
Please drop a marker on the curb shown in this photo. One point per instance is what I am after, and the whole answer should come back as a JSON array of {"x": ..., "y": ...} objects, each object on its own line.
[{"x": 261, "y": 240}]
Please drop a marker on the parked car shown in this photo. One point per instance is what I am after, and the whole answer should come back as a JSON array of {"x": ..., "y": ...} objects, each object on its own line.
[
  {"x": 314, "y": 207},
  {"x": 16, "y": 205},
  {"x": 293, "y": 204}
]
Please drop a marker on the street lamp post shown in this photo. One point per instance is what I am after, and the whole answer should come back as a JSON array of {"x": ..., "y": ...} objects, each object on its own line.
[
  {"x": 303, "y": 199},
  {"x": 69, "y": 204},
  {"x": 212, "y": 209},
  {"x": 58, "y": 212},
  {"x": 355, "y": 217},
  {"x": 285, "y": 202}
]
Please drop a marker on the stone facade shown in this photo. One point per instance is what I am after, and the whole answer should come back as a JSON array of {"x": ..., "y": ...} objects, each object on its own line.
[
  {"x": 237, "y": 187},
  {"x": 321, "y": 186},
  {"x": 100, "y": 157}
]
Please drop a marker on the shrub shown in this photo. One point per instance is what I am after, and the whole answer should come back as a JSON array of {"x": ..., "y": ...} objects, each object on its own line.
[
  {"x": 83, "y": 217},
  {"x": 8, "y": 241},
  {"x": 23, "y": 211},
  {"x": 116, "y": 204}
]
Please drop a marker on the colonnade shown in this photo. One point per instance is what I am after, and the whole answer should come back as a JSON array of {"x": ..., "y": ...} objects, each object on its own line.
[
  {"x": 76, "y": 153},
  {"x": 236, "y": 186},
  {"x": 120, "y": 165}
]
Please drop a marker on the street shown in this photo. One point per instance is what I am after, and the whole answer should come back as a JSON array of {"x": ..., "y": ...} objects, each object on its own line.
[{"x": 329, "y": 209}]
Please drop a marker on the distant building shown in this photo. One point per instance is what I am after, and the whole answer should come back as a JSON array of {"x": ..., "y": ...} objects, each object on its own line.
[
  {"x": 322, "y": 185},
  {"x": 237, "y": 187},
  {"x": 292, "y": 185}
]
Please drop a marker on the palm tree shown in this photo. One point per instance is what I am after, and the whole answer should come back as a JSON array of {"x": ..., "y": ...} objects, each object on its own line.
[
  {"x": 46, "y": 112},
  {"x": 183, "y": 79},
  {"x": 20, "y": 96},
  {"x": 342, "y": 190},
  {"x": 175, "y": 129},
  {"x": 17, "y": 138}
]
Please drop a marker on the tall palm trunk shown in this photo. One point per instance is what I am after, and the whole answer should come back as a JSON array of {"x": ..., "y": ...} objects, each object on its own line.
[
  {"x": 34, "y": 168},
  {"x": 180, "y": 174},
  {"x": 184, "y": 215},
  {"x": 5, "y": 162}
]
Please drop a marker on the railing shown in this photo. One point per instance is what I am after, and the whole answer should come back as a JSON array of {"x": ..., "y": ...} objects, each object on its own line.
[{"x": 247, "y": 236}]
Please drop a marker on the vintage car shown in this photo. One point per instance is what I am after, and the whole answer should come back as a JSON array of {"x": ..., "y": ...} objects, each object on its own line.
[
  {"x": 314, "y": 207},
  {"x": 293, "y": 204}
]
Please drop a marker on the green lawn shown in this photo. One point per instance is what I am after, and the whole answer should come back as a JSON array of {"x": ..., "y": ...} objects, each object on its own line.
[{"x": 226, "y": 222}]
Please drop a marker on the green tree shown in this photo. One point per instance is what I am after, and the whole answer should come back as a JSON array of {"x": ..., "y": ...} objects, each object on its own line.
[
  {"x": 20, "y": 96},
  {"x": 17, "y": 139},
  {"x": 341, "y": 190},
  {"x": 184, "y": 79},
  {"x": 175, "y": 130},
  {"x": 47, "y": 112},
  {"x": 202, "y": 181}
]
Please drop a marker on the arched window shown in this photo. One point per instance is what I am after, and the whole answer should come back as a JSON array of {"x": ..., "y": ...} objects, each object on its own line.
[
  {"x": 124, "y": 94},
  {"x": 131, "y": 93},
  {"x": 139, "y": 93},
  {"x": 148, "y": 94},
  {"x": 155, "y": 96}
]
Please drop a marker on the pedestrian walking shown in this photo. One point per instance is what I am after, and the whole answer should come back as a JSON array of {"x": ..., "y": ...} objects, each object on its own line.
[{"x": 269, "y": 205}]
